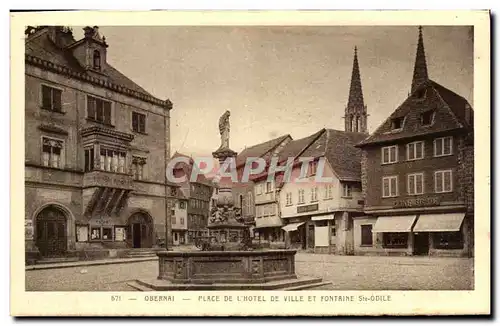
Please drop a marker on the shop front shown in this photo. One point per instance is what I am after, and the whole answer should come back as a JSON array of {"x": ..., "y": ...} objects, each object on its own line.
[
  {"x": 178, "y": 237},
  {"x": 296, "y": 235},
  {"x": 437, "y": 234},
  {"x": 269, "y": 236},
  {"x": 325, "y": 235},
  {"x": 443, "y": 234}
]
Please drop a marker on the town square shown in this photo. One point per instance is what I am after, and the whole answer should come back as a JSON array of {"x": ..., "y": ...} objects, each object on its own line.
[{"x": 269, "y": 158}]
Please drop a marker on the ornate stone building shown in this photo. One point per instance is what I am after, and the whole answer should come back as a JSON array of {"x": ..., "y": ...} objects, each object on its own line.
[{"x": 97, "y": 146}]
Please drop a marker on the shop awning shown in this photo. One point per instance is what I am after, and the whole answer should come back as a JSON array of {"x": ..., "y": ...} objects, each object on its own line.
[
  {"x": 394, "y": 223},
  {"x": 439, "y": 222},
  {"x": 323, "y": 217},
  {"x": 292, "y": 226}
]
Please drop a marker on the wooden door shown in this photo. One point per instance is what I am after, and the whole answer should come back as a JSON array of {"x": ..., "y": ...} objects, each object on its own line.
[{"x": 51, "y": 233}]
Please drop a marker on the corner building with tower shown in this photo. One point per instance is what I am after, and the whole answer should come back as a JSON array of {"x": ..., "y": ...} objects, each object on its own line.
[{"x": 97, "y": 147}]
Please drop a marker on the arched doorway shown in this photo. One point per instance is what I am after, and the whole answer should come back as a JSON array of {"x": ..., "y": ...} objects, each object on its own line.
[
  {"x": 141, "y": 230},
  {"x": 51, "y": 232}
]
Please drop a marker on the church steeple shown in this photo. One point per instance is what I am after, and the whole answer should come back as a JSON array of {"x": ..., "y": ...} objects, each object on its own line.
[
  {"x": 355, "y": 111},
  {"x": 420, "y": 70}
]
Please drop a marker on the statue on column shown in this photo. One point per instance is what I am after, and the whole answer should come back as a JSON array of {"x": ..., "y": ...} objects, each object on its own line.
[{"x": 224, "y": 130}]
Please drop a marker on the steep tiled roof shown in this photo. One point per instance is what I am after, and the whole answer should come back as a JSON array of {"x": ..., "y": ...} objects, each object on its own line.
[
  {"x": 42, "y": 47},
  {"x": 450, "y": 113},
  {"x": 296, "y": 147},
  {"x": 293, "y": 149},
  {"x": 338, "y": 147},
  {"x": 259, "y": 150}
]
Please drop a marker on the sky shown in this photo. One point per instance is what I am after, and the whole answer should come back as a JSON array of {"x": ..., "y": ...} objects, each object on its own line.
[{"x": 280, "y": 80}]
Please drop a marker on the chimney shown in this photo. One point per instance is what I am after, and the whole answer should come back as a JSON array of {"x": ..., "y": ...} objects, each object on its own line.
[{"x": 62, "y": 36}]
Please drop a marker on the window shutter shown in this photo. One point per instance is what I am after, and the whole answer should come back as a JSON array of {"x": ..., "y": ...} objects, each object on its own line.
[
  {"x": 135, "y": 124},
  {"x": 46, "y": 97},
  {"x": 411, "y": 151},
  {"x": 91, "y": 109},
  {"x": 142, "y": 123},
  {"x": 447, "y": 145},
  {"x": 439, "y": 146},
  {"x": 447, "y": 181},
  {"x": 56, "y": 99},
  {"x": 394, "y": 187},
  {"x": 107, "y": 112},
  {"x": 419, "y": 184},
  {"x": 385, "y": 153},
  {"x": 411, "y": 184},
  {"x": 439, "y": 181}
]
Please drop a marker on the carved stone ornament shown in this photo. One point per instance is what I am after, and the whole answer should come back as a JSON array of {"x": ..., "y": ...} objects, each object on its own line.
[{"x": 224, "y": 128}]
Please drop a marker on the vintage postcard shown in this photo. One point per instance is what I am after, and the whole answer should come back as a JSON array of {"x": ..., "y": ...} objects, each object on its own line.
[{"x": 250, "y": 163}]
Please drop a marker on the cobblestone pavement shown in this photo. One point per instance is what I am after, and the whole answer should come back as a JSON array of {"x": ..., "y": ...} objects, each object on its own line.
[{"x": 345, "y": 273}]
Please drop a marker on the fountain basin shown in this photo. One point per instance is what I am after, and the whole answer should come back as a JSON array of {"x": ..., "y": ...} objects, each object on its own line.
[{"x": 207, "y": 267}]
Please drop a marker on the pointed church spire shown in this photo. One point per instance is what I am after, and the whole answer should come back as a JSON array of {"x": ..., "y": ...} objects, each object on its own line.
[
  {"x": 355, "y": 112},
  {"x": 420, "y": 70},
  {"x": 355, "y": 91}
]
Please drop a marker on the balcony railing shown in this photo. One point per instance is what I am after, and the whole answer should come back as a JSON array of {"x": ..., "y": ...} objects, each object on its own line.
[{"x": 108, "y": 179}]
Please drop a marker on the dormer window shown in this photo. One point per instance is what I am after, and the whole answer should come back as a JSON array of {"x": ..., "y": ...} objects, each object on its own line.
[
  {"x": 397, "y": 123},
  {"x": 97, "y": 60},
  {"x": 427, "y": 118}
]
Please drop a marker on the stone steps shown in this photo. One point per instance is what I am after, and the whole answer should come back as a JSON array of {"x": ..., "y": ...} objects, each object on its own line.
[
  {"x": 141, "y": 252},
  {"x": 56, "y": 260},
  {"x": 300, "y": 283}
]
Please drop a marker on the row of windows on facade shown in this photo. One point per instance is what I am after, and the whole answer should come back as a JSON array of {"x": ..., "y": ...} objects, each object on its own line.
[
  {"x": 200, "y": 189},
  {"x": 268, "y": 187},
  {"x": 173, "y": 219},
  {"x": 108, "y": 160},
  {"x": 448, "y": 240},
  {"x": 98, "y": 110},
  {"x": 327, "y": 194},
  {"x": 197, "y": 220},
  {"x": 443, "y": 182},
  {"x": 265, "y": 210},
  {"x": 443, "y": 146},
  {"x": 426, "y": 119},
  {"x": 197, "y": 203}
]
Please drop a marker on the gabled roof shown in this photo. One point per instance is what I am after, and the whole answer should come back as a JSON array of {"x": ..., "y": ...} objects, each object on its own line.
[
  {"x": 293, "y": 149},
  {"x": 296, "y": 147},
  {"x": 450, "y": 113},
  {"x": 338, "y": 147},
  {"x": 40, "y": 46},
  {"x": 259, "y": 150}
]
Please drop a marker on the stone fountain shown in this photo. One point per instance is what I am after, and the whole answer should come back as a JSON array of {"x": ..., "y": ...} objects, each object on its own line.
[{"x": 228, "y": 261}]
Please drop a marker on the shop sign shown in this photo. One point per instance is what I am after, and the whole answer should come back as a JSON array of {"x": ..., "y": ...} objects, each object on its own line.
[
  {"x": 101, "y": 221},
  {"x": 307, "y": 208},
  {"x": 417, "y": 202}
]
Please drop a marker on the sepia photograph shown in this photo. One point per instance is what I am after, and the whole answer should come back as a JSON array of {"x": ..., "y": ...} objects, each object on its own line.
[{"x": 250, "y": 157}]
